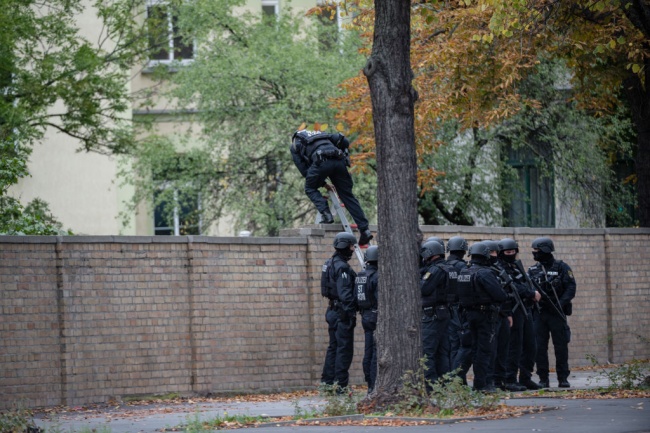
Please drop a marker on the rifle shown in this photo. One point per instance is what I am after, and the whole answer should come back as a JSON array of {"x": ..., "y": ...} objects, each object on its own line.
[
  {"x": 537, "y": 287},
  {"x": 503, "y": 275}
]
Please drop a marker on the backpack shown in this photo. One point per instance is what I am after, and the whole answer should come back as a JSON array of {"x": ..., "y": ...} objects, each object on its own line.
[
  {"x": 327, "y": 280},
  {"x": 365, "y": 298},
  {"x": 465, "y": 284},
  {"x": 450, "y": 293},
  {"x": 456, "y": 266}
]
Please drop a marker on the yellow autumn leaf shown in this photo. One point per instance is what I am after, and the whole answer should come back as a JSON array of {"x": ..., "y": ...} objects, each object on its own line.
[
  {"x": 340, "y": 127},
  {"x": 303, "y": 125}
]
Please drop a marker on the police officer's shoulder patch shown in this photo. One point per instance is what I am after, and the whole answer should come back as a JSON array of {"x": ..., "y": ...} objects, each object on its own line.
[
  {"x": 344, "y": 275},
  {"x": 570, "y": 273},
  {"x": 426, "y": 276}
]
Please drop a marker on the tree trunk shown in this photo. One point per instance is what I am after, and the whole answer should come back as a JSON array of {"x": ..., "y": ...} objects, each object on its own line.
[
  {"x": 389, "y": 75},
  {"x": 638, "y": 93},
  {"x": 639, "y": 97}
]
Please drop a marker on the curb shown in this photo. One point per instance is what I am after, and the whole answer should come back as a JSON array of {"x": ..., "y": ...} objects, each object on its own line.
[
  {"x": 357, "y": 417},
  {"x": 422, "y": 420}
]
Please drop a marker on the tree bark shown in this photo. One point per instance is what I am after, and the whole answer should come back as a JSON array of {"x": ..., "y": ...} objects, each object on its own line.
[
  {"x": 389, "y": 75},
  {"x": 638, "y": 92},
  {"x": 639, "y": 97}
]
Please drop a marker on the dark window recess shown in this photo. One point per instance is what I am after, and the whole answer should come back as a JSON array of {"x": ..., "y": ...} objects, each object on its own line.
[{"x": 532, "y": 194}]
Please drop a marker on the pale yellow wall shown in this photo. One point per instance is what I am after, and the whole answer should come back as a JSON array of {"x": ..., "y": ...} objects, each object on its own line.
[{"x": 81, "y": 188}]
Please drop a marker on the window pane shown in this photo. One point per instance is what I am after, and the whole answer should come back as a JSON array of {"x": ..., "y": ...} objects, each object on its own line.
[
  {"x": 518, "y": 213},
  {"x": 542, "y": 203},
  {"x": 182, "y": 50},
  {"x": 269, "y": 10},
  {"x": 158, "y": 29},
  {"x": 188, "y": 213},
  {"x": 328, "y": 31},
  {"x": 163, "y": 231}
]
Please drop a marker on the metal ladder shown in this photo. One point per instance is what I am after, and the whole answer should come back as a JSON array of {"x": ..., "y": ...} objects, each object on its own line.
[{"x": 340, "y": 211}]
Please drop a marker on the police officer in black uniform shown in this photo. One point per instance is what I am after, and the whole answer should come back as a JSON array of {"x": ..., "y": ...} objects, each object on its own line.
[
  {"x": 366, "y": 295},
  {"x": 319, "y": 155},
  {"x": 499, "y": 359},
  {"x": 329, "y": 290},
  {"x": 435, "y": 311},
  {"x": 481, "y": 294},
  {"x": 346, "y": 306},
  {"x": 516, "y": 281},
  {"x": 456, "y": 247},
  {"x": 558, "y": 288}
]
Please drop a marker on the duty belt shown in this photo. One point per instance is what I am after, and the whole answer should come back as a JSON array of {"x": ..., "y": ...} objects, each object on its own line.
[
  {"x": 319, "y": 155},
  {"x": 486, "y": 307}
]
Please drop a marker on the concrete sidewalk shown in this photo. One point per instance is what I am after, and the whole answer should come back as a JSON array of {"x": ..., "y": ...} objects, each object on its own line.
[{"x": 623, "y": 415}]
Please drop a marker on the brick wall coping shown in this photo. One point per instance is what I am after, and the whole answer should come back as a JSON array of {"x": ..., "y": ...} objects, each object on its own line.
[
  {"x": 536, "y": 230},
  {"x": 297, "y": 240},
  {"x": 299, "y": 236}
]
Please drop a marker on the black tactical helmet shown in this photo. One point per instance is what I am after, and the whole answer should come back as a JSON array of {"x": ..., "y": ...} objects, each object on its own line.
[
  {"x": 343, "y": 240},
  {"x": 457, "y": 243},
  {"x": 437, "y": 239},
  {"x": 545, "y": 245},
  {"x": 372, "y": 254},
  {"x": 480, "y": 249},
  {"x": 492, "y": 245},
  {"x": 508, "y": 244},
  {"x": 431, "y": 248}
]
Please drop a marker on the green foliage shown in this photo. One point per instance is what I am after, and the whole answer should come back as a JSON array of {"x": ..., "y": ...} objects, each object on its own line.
[
  {"x": 338, "y": 401},
  {"x": 252, "y": 84},
  {"x": 448, "y": 395},
  {"x": 575, "y": 147},
  {"x": 569, "y": 145},
  {"x": 628, "y": 376},
  {"x": 414, "y": 398},
  {"x": 33, "y": 219},
  {"x": 17, "y": 420},
  {"x": 451, "y": 396},
  {"x": 465, "y": 192},
  {"x": 196, "y": 425},
  {"x": 53, "y": 77},
  {"x": 300, "y": 412}
]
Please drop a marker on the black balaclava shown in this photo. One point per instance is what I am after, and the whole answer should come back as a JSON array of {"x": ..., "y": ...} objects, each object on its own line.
[
  {"x": 457, "y": 254},
  {"x": 542, "y": 257},
  {"x": 493, "y": 260},
  {"x": 508, "y": 259},
  {"x": 346, "y": 253},
  {"x": 480, "y": 259}
]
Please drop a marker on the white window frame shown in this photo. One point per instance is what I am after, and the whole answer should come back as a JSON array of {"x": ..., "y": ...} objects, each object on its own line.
[
  {"x": 170, "y": 34},
  {"x": 274, "y": 3}
]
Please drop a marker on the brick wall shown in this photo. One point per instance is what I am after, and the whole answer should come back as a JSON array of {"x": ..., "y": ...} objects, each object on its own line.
[{"x": 85, "y": 319}]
